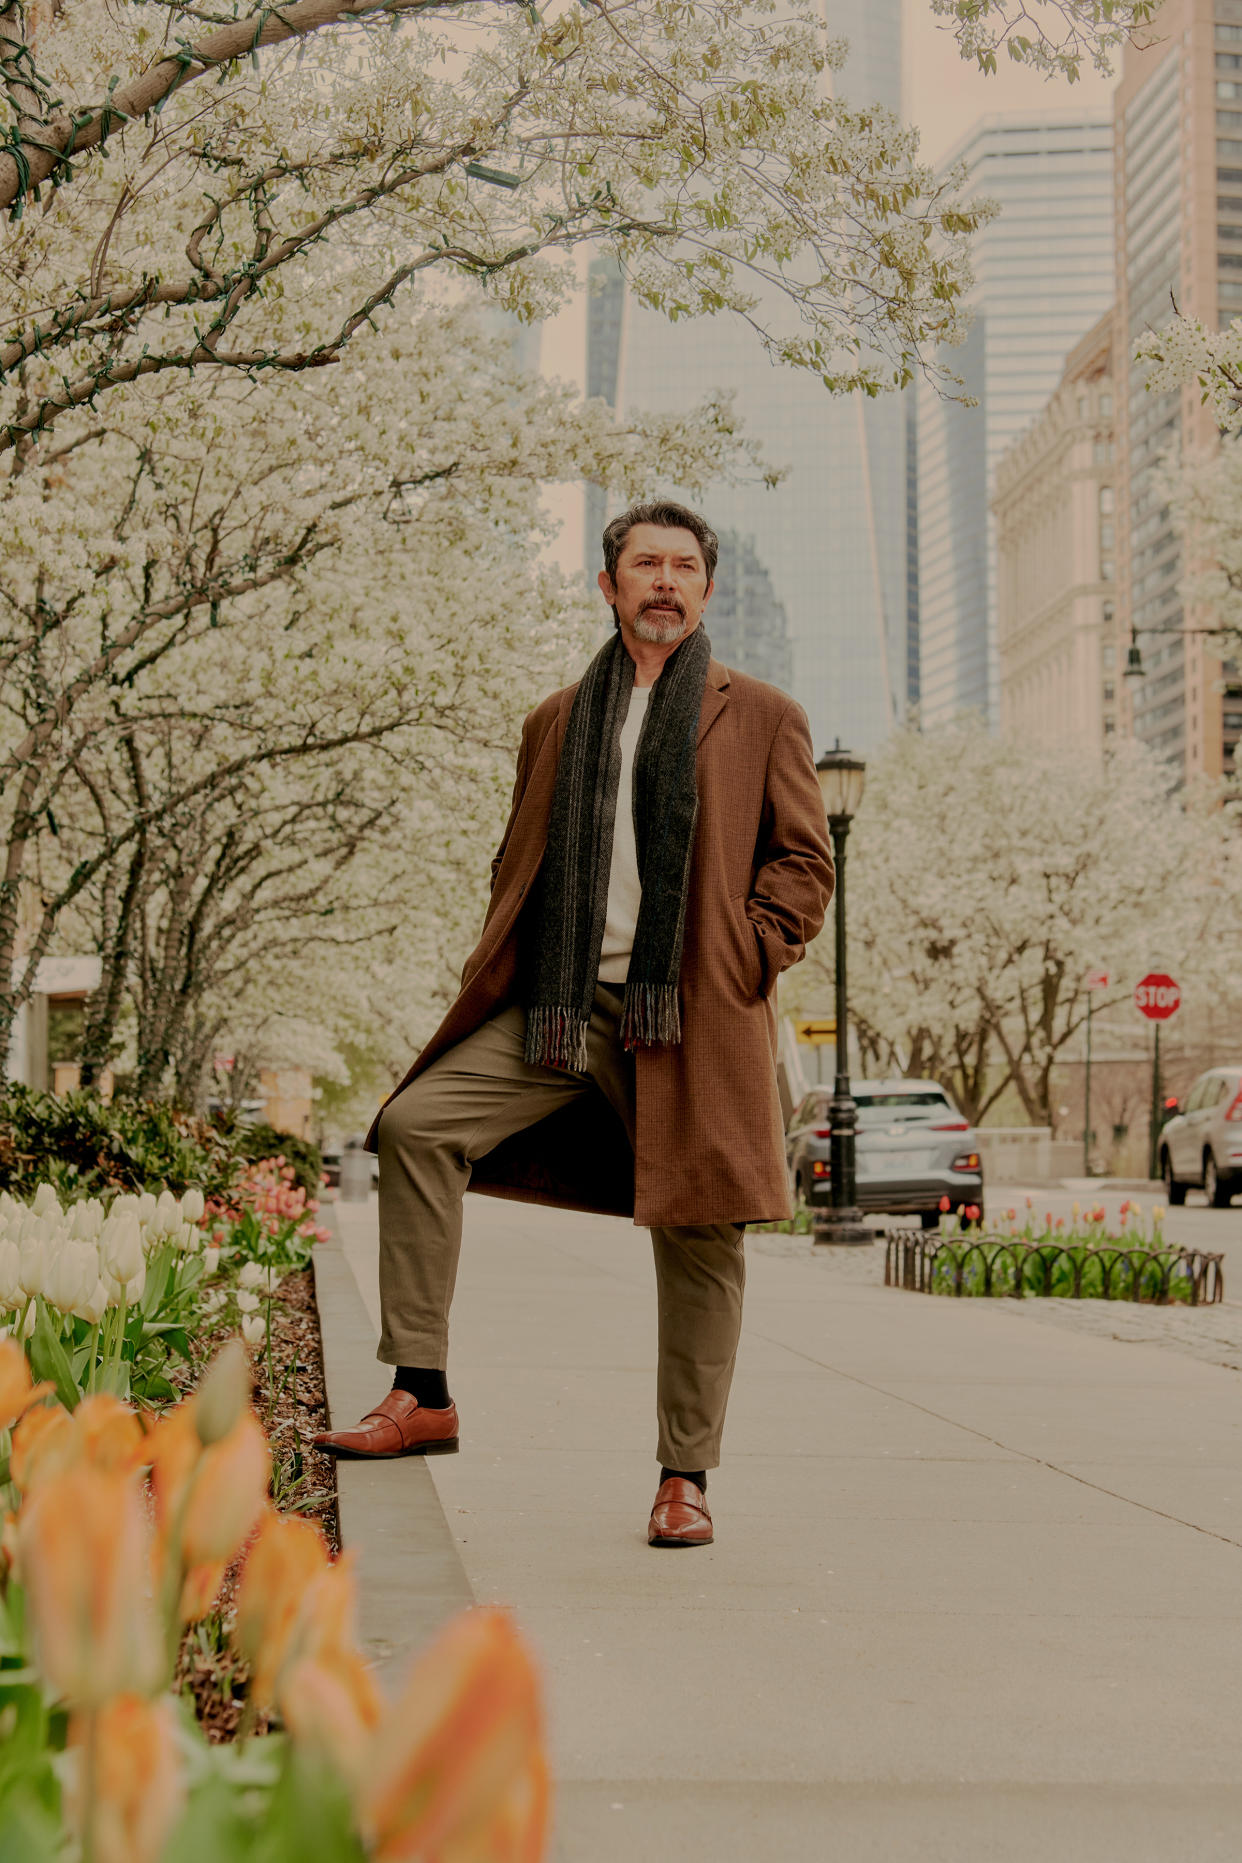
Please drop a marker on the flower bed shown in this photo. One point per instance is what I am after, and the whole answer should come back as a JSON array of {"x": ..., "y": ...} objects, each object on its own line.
[
  {"x": 179, "y": 1674},
  {"x": 1076, "y": 1259}
]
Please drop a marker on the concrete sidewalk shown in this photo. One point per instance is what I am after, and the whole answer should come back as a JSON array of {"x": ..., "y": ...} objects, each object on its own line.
[{"x": 976, "y": 1591}]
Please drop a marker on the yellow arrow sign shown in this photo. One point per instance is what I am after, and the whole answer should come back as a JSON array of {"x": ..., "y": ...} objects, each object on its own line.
[{"x": 816, "y": 1029}]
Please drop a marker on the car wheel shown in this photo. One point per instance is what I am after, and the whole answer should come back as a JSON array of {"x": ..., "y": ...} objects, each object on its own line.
[
  {"x": 1173, "y": 1191},
  {"x": 1219, "y": 1195}
]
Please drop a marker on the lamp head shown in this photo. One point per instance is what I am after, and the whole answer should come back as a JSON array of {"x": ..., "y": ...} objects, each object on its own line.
[
  {"x": 842, "y": 776},
  {"x": 1134, "y": 662}
]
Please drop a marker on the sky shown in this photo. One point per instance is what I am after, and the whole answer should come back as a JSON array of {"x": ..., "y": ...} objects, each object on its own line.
[{"x": 945, "y": 95}]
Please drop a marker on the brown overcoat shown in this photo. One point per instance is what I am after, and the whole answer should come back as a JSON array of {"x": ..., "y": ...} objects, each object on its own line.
[{"x": 709, "y": 1145}]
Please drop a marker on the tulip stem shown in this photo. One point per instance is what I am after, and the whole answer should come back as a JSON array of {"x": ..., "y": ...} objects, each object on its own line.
[
  {"x": 91, "y": 1786},
  {"x": 94, "y": 1357}
]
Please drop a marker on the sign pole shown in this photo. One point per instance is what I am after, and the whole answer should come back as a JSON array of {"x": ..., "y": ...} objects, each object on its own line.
[
  {"x": 1086, "y": 1110},
  {"x": 1153, "y": 1149}
]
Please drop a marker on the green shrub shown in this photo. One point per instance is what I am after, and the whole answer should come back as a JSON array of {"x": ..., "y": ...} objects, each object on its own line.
[
  {"x": 84, "y": 1146},
  {"x": 262, "y": 1141}
]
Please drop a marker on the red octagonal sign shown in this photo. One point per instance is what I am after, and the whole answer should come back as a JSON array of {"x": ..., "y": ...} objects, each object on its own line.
[{"x": 1157, "y": 996}]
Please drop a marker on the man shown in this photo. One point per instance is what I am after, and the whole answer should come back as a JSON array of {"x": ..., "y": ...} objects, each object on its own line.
[{"x": 613, "y": 1045}]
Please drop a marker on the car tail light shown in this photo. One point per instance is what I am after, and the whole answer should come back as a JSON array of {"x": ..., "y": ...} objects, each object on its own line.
[
  {"x": 823, "y": 1132},
  {"x": 819, "y": 1168},
  {"x": 958, "y": 1125},
  {"x": 1235, "y": 1110},
  {"x": 966, "y": 1161}
]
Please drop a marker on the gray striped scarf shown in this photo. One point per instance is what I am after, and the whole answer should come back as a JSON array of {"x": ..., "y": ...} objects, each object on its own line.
[{"x": 563, "y": 965}]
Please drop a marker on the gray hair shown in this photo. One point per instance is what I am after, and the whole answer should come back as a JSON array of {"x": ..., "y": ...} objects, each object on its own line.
[{"x": 672, "y": 517}]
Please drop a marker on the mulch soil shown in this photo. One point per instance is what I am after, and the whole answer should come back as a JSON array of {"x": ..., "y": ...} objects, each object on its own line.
[{"x": 292, "y": 1411}]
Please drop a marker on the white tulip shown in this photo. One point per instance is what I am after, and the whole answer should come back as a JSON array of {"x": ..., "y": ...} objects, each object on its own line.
[
  {"x": 192, "y": 1205},
  {"x": 95, "y": 1305},
  {"x": 211, "y": 1259},
  {"x": 30, "y": 1321},
  {"x": 46, "y": 1202},
  {"x": 253, "y": 1329},
  {"x": 247, "y": 1303},
  {"x": 32, "y": 1266},
  {"x": 10, "y": 1274},
  {"x": 188, "y": 1238},
  {"x": 145, "y": 1206},
  {"x": 213, "y": 1303},
  {"x": 58, "y": 1283},
  {"x": 167, "y": 1214},
  {"x": 251, "y": 1275},
  {"x": 134, "y": 1287},
  {"x": 120, "y": 1247}
]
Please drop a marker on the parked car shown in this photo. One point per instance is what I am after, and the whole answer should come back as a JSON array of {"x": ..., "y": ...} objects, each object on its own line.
[
  {"x": 1202, "y": 1144},
  {"x": 913, "y": 1148}
]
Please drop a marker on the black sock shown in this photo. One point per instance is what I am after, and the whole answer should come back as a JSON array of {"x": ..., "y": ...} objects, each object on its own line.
[
  {"x": 429, "y": 1389},
  {"x": 697, "y": 1475}
]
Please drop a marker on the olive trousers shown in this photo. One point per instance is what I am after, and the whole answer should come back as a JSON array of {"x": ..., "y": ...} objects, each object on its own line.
[{"x": 468, "y": 1101}]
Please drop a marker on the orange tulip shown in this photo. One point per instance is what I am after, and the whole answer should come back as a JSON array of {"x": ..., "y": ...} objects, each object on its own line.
[
  {"x": 109, "y": 1435},
  {"x": 286, "y": 1556},
  {"x": 331, "y": 1706},
  {"x": 227, "y": 1495},
  {"x": 207, "y": 1500},
  {"x": 127, "y": 1786},
  {"x": 83, "y": 1556},
  {"x": 43, "y": 1445},
  {"x": 458, "y": 1765},
  {"x": 17, "y": 1389}
]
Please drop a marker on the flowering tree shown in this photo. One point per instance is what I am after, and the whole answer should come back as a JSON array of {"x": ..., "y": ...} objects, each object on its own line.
[
  {"x": 186, "y": 611},
  {"x": 987, "y": 879}
]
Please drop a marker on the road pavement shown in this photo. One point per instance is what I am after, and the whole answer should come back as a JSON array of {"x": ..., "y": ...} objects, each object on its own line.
[{"x": 976, "y": 1591}]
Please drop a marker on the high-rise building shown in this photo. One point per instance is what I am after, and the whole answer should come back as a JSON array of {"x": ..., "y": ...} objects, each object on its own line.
[
  {"x": 825, "y": 552},
  {"x": 1178, "y": 144},
  {"x": 747, "y": 624},
  {"x": 1056, "y": 547},
  {"x": 1043, "y": 275}
]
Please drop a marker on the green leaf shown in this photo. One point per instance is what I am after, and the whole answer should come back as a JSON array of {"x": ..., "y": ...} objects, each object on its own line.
[{"x": 48, "y": 1358}]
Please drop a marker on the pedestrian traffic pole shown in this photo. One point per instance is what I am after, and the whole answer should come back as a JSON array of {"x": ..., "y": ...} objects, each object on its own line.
[
  {"x": 1153, "y": 1148},
  {"x": 1095, "y": 980},
  {"x": 1086, "y": 1097}
]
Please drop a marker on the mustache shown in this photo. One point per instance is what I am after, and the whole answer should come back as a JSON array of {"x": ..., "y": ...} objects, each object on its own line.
[{"x": 673, "y": 601}]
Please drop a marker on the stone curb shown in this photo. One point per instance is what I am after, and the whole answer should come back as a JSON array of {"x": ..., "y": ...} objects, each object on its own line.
[{"x": 411, "y": 1576}]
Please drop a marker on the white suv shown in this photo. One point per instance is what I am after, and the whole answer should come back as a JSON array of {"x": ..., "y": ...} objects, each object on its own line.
[{"x": 1202, "y": 1144}]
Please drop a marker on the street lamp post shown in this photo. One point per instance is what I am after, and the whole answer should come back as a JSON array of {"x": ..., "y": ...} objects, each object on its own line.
[{"x": 841, "y": 779}]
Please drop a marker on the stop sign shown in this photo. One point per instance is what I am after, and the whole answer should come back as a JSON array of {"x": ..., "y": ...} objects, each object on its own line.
[{"x": 1157, "y": 996}]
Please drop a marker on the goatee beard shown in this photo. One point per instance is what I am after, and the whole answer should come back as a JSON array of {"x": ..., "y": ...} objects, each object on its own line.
[{"x": 659, "y": 632}]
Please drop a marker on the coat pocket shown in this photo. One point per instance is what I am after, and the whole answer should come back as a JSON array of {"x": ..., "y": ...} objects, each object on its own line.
[{"x": 747, "y": 945}]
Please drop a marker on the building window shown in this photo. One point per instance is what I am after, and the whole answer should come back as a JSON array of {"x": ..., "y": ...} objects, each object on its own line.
[
  {"x": 1109, "y": 611},
  {"x": 1106, "y": 498},
  {"x": 1106, "y": 403},
  {"x": 1083, "y": 407},
  {"x": 1106, "y": 570},
  {"x": 1110, "y": 726},
  {"x": 1108, "y": 656},
  {"x": 1106, "y": 536},
  {"x": 1109, "y": 693}
]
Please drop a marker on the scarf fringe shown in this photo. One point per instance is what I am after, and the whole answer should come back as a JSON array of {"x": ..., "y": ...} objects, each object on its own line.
[
  {"x": 651, "y": 1014},
  {"x": 556, "y": 1038}
]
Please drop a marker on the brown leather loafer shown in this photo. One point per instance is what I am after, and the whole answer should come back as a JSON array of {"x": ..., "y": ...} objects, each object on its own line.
[
  {"x": 397, "y": 1426},
  {"x": 680, "y": 1516}
]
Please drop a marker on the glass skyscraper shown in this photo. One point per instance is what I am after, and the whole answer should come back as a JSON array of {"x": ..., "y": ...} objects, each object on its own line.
[
  {"x": 825, "y": 594},
  {"x": 1043, "y": 275}
]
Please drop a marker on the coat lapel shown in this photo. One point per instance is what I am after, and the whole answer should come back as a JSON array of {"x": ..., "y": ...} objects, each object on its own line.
[{"x": 715, "y": 696}]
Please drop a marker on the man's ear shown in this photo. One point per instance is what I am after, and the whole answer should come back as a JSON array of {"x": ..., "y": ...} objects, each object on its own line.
[
  {"x": 606, "y": 588},
  {"x": 707, "y": 594}
]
